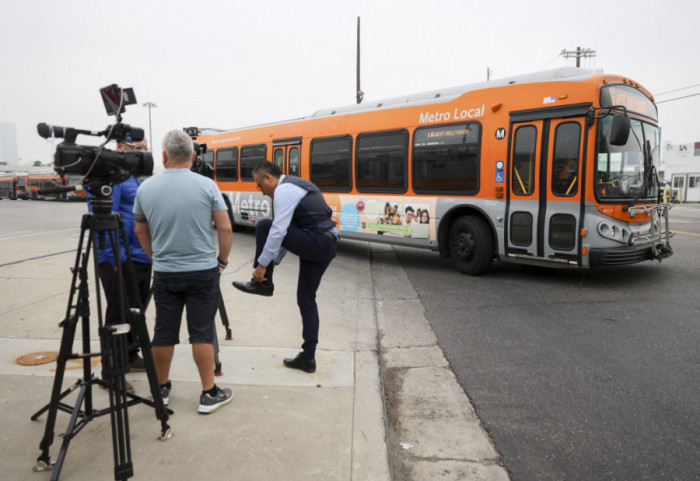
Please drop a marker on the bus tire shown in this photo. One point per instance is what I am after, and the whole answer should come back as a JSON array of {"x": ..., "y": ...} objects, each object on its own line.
[{"x": 471, "y": 245}]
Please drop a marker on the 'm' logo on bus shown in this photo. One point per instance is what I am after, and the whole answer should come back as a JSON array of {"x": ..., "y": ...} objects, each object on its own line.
[{"x": 500, "y": 133}]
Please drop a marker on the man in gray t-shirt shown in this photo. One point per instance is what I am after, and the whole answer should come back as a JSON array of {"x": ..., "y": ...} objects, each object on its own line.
[{"x": 174, "y": 211}]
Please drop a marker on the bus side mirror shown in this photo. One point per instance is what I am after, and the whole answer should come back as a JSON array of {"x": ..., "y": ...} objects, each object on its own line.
[{"x": 620, "y": 130}]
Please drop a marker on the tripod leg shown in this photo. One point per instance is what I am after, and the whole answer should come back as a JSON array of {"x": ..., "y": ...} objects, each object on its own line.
[
  {"x": 43, "y": 462},
  {"x": 115, "y": 362},
  {"x": 217, "y": 361},
  {"x": 70, "y": 431},
  {"x": 224, "y": 318},
  {"x": 69, "y": 325},
  {"x": 138, "y": 323}
]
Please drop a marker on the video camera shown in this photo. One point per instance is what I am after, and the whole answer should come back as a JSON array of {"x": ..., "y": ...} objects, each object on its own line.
[
  {"x": 199, "y": 166},
  {"x": 98, "y": 163}
]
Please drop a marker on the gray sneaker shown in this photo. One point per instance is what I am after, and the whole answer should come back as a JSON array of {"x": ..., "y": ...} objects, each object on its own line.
[{"x": 209, "y": 404}]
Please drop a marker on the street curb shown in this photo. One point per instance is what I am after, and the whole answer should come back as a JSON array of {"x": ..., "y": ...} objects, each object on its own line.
[{"x": 433, "y": 431}]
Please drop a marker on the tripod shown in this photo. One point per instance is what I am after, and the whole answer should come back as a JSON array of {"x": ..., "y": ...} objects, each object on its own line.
[
  {"x": 222, "y": 307},
  {"x": 113, "y": 349}
]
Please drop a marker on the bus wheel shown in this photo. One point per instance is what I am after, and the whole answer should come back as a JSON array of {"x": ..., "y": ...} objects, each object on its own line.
[{"x": 471, "y": 245}]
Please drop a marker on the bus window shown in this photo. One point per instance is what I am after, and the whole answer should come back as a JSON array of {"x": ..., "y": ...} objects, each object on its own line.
[
  {"x": 227, "y": 164},
  {"x": 208, "y": 158},
  {"x": 524, "y": 160},
  {"x": 380, "y": 162},
  {"x": 329, "y": 162},
  {"x": 279, "y": 158},
  {"x": 251, "y": 155},
  {"x": 446, "y": 159},
  {"x": 294, "y": 161},
  {"x": 567, "y": 141}
]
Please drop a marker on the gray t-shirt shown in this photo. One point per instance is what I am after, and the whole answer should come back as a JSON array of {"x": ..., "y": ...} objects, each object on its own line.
[{"x": 178, "y": 205}]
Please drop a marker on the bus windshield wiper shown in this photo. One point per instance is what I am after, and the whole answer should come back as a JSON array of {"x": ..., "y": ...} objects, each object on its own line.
[{"x": 649, "y": 170}]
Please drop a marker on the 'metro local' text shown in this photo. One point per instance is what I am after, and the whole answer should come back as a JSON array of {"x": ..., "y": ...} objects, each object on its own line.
[{"x": 427, "y": 117}]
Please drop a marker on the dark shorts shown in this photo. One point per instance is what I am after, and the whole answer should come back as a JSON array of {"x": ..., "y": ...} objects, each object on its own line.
[{"x": 196, "y": 290}]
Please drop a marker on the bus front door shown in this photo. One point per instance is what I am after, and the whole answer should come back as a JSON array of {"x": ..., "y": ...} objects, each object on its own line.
[{"x": 544, "y": 191}]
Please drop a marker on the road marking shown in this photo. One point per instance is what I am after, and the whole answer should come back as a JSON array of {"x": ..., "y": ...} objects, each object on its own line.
[
  {"x": 686, "y": 233},
  {"x": 35, "y": 258},
  {"x": 39, "y": 233}
]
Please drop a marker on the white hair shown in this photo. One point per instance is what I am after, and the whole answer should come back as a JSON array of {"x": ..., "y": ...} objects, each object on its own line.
[{"x": 178, "y": 145}]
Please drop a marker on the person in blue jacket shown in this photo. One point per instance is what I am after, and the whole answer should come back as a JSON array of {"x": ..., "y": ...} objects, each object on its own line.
[{"x": 123, "y": 196}]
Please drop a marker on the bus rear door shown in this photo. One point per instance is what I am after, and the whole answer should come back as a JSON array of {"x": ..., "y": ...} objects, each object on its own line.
[
  {"x": 286, "y": 154},
  {"x": 544, "y": 208}
]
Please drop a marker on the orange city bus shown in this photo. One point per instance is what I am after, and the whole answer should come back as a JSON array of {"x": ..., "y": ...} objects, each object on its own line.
[
  {"x": 34, "y": 183},
  {"x": 555, "y": 168},
  {"x": 8, "y": 187},
  {"x": 70, "y": 180}
]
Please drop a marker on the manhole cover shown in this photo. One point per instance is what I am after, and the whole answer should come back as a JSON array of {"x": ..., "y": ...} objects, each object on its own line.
[{"x": 36, "y": 358}]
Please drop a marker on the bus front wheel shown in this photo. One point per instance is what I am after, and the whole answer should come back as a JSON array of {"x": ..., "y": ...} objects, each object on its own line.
[{"x": 471, "y": 245}]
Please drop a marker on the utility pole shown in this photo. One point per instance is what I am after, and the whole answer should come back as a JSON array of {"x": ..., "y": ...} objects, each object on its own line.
[
  {"x": 150, "y": 105},
  {"x": 359, "y": 93},
  {"x": 578, "y": 53},
  {"x": 488, "y": 73}
]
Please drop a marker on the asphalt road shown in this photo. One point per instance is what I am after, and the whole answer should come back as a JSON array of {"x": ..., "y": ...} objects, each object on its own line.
[{"x": 578, "y": 375}]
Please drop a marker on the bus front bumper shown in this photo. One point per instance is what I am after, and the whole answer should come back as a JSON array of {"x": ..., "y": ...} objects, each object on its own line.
[{"x": 629, "y": 254}]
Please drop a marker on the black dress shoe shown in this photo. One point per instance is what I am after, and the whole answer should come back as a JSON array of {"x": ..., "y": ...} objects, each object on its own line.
[
  {"x": 255, "y": 287},
  {"x": 301, "y": 363}
]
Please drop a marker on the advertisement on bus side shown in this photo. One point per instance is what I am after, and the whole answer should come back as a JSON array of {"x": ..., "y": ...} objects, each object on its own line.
[{"x": 396, "y": 216}]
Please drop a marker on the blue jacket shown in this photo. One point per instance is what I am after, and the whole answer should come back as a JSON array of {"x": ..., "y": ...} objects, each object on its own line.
[{"x": 123, "y": 195}]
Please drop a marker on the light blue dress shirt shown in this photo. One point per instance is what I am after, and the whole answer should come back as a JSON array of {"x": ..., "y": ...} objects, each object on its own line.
[{"x": 287, "y": 198}]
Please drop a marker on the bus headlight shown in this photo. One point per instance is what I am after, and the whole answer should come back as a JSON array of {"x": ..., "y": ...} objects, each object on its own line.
[{"x": 614, "y": 232}]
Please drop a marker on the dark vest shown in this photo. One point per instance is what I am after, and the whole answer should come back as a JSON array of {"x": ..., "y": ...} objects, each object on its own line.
[{"x": 312, "y": 213}]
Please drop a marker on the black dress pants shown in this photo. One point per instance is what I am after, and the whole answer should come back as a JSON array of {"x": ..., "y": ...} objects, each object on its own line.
[
  {"x": 315, "y": 251},
  {"x": 110, "y": 285}
]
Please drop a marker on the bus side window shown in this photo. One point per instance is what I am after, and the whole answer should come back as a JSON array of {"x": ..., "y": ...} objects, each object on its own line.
[
  {"x": 208, "y": 158},
  {"x": 446, "y": 159},
  {"x": 279, "y": 158},
  {"x": 567, "y": 142},
  {"x": 381, "y": 162},
  {"x": 294, "y": 161},
  {"x": 329, "y": 163},
  {"x": 251, "y": 156},
  {"x": 524, "y": 160},
  {"x": 227, "y": 164}
]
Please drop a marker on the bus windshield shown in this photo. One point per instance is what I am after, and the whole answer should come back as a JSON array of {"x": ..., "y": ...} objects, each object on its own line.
[{"x": 626, "y": 172}]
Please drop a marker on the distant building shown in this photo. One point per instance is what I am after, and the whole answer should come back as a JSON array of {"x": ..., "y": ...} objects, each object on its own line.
[
  {"x": 13, "y": 169},
  {"x": 8, "y": 143},
  {"x": 682, "y": 169}
]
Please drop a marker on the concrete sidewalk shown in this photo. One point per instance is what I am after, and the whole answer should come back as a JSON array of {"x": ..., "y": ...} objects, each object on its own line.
[{"x": 282, "y": 424}]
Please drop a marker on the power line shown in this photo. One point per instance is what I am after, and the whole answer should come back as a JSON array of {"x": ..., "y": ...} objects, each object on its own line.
[
  {"x": 677, "y": 98},
  {"x": 676, "y": 90},
  {"x": 548, "y": 63}
]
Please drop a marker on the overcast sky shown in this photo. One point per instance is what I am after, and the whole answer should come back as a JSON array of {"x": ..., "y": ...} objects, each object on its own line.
[{"x": 228, "y": 64}]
